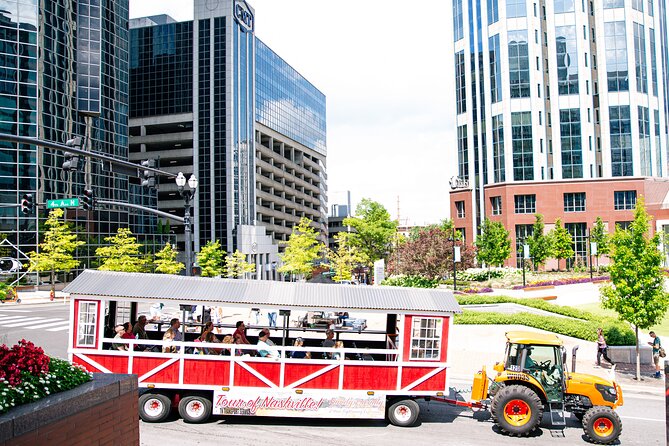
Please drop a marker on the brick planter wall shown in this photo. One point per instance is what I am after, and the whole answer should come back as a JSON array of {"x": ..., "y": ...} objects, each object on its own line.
[{"x": 100, "y": 412}]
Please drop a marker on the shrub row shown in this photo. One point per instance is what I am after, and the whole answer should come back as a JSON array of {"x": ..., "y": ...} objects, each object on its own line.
[
  {"x": 483, "y": 274},
  {"x": 615, "y": 332},
  {"x": 410, "y": 281},
  {"x": 534, "y": 303},
  {"x": 568, "y": 281}
]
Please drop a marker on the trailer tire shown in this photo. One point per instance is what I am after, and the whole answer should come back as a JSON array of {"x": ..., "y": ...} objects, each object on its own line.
[
  {"x": 403, "y": 413},
  {"x": 154, "y": 407},
  {"x": 602, "y": 425},
  {"x": 195, "y": 408},
  {"x": 517, "y": 410}
]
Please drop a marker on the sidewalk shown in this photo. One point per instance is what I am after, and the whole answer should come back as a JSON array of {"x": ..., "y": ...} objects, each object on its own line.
[{"x": 38, "y": 297}]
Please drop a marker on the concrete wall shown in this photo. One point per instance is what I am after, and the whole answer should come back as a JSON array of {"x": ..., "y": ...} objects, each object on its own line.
[
  {"x": 628, "y": 354},
  {"x": 100, "y": 412}
]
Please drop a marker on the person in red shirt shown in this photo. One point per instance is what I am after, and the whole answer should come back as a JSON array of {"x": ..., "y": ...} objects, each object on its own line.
[{"x": 239, "y": 335}]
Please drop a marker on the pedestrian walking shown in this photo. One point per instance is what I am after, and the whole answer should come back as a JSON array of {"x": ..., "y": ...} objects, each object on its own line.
[
  {"x": 602, "y": 348},
  {"x": 657, "y": 346}
]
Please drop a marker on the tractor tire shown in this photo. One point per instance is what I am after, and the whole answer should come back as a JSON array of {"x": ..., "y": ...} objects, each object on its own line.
[
  {"x": 517, "y": 410},
  {"x": 195, "y": 408},
  {"x": 154, "y": 407},
  {"x": 403, "y": 413},
  {"x": 602, "y": 425}
]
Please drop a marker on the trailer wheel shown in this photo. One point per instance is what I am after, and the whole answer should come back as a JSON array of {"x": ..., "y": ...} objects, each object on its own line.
[
  {"x": 403, "y": 413},
  {"x": 154, "y": 407},
  {"x": 517, "y": 410},
  {"x": 195, "y": 409},
  {"x": 602, "y": 425}
]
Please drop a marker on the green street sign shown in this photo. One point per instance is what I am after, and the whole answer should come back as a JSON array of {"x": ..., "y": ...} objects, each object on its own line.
[{"x": 62, "y": 203}]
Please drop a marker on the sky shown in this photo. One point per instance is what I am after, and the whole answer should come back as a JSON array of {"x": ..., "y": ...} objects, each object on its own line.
[{"x": 386, "y": 69}]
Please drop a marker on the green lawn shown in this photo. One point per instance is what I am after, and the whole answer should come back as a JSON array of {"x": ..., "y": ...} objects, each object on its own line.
[{"x": 661, "y": 329}]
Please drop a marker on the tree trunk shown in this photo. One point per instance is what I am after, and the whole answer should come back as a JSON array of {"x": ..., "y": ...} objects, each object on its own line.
[
  {"x": 53, "y": 280},
  {"x": 638, "y": 362}
]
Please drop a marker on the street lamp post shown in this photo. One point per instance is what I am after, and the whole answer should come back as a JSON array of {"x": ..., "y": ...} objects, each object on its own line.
[
  {"x": 187, "y": 196},
  {"x": 456, "y": 255}
]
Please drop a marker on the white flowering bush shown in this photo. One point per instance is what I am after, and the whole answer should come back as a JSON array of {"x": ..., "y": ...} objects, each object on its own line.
[{"x": 27, "y": 374}]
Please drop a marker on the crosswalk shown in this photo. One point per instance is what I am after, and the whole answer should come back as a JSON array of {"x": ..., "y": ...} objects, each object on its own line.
[{"x": 18, "y": 319}]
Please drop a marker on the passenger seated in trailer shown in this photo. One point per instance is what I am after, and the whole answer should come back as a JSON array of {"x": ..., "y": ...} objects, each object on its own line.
[
  {"x": 240, "y": 333},
  {"x": 338, "y": 355},
  {"x": 299, "y": 342},
  {"x": 172, "y": 334},
  {"x": 227, "y": 339},
  {"x": 140, "y": 333},
  {"x": 267, "y": 349},
  {"x": 119, "y": 335},
  {"x": 211, "y": 338},
  {"x": 328, "y": 342}
]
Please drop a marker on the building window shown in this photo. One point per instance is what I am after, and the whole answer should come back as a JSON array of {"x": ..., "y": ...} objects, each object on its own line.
[
  {"x": 579, "y": 237},
  {"x": 516, "y": 8},
  {"x": 495, "y": 70},
  {"x": 521, "y": 131},
  {"x": 611, "y": 4},
  {"x": 570, "y": 140},
  {"x": 644, "y": 142},
  {"x": 86, "y": 324},
  {"x": 426, "y": 337},
  {"x": 621, "y": 141},
  {"x": 460, "y": 209},
  {"x": 638, "y": 5},
  {"x": 567, "y": 59},
  {"x": 460, "y": 88},
  {"x": 624, "y": 200},
  {"x": 623, "y": 225},
  {"x": 458, "y": 28},
  {"x": 496, "y": 205},
  {"x": 640, "y": 58},
  {"x": 463, "y": 154},
  {"x": 525, "y": 204},
  {"x": 653, "y": 60},
  {"x": 519, "y": 64},
  {"x": 563, "y": 6},
  {"x": 523, "y": 232},
  {"x": 658, "y": 143},
  {"x": 493, "y": 11},
  {"x": 499, "y": 172},
  {"x": 574, "y": 202}
]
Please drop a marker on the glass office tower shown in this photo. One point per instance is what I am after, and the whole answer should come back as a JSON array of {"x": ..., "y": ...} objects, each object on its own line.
[
  {"x": 561, "y": 110},
  {"x": 63, "y": 73}
]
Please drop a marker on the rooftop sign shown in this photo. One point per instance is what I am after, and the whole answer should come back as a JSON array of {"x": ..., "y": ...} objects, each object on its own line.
[{"x": 244, "y": 16}]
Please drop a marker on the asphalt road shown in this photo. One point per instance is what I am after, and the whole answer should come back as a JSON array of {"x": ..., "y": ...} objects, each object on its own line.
[{"x": 46, "y": 325}]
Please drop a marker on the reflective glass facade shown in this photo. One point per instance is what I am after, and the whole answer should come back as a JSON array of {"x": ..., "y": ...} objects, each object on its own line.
[
  {"x": 495, "y": 69},
  {"x": 460, "y": 87},
  {"x": 519, "y": 64},
  {"x": 561, "y": 6},
  {"x": 523, "y": 158},
  {"x": 640, "y": 58},
  {"x": 287, "y": 102},
  {"x": 617, "y": 70},
  {"x": 621, "y": 141},
  {"x": 570, "y": 137},
  {"x": 499, "y": 171},
  {"x": 161, "y": 69},
  {"x": 567, "y": 59},
  {"x": 644, "y": 141},
  {"x": 516, "y": 8},
  {"x": 458, "y": 26},
  {"x": 463, "y": 153}
]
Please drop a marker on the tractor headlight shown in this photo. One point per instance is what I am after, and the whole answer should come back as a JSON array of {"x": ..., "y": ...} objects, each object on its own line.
[{"x": 608, "y": 392}]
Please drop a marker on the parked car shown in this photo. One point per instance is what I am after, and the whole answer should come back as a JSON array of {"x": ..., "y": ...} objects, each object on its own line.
[{"x": 9, "y": 265}]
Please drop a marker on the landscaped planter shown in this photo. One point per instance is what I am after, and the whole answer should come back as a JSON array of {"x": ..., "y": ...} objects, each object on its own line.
[{"x": 102, "y": 411}]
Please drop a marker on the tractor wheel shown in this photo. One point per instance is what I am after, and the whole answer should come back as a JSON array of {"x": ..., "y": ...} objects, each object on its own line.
[
  {"x": 195, "y": 409},
  {"x": 602, "y": 425},
  {"x": 154, "y": 407},
  {"x": 517, "y": 410},
  {"x": 403, "y": 413}
]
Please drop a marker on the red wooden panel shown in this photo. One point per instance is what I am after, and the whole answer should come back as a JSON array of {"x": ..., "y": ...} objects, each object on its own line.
[
  {"x": 84, "y": 364},
  {"x": 169, "y": 374},
  {"x": 411, "y": 374},
  {"x": 115, "y": 364},
  {"x": 327, "y": 380},
  {"x": 436, "y": 383},
  {"x": 368, "y": 377},
  {"x": 216, "y": 373},
  {"x": 444, "y": 339},
  {"x": 245, "y": 378},
  {"x": 295, "y": 372}
]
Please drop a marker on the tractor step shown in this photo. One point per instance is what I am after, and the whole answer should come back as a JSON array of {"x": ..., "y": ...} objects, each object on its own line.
[{"x": 557, "y": 413}]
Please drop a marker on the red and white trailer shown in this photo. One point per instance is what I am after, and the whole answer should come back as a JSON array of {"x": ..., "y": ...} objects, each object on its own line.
[{"x": 407, "y": 360}]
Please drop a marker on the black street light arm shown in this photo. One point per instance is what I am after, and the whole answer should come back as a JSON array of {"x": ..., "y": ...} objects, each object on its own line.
[{"x": 73, "y": 149}]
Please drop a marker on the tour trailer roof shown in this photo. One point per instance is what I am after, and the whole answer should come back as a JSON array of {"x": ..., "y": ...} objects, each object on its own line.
[{"x": 140, "y": 287}]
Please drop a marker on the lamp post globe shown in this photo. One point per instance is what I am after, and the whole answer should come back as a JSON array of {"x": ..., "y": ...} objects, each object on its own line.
[
  {"x": 180, "y": 180},
  {"x": 192, "y": 182}
]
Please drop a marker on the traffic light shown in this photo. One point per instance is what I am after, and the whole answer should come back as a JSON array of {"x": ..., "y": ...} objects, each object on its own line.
[
  {"x": 88, "y": 200},
  {"x": 149, "y": 175},
  {"x": 27, "y": 204},
  {"x": 72, "y": 162}
]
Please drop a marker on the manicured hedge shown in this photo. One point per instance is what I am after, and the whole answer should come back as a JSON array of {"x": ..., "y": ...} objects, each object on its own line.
[{"x": 578, "y": 324}]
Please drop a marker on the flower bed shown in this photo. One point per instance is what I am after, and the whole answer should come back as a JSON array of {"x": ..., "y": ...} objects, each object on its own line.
[
  {"x": 568, "y": 281},
  {"x": 474, "y": 290},
  {"x": 27, "y": 374}
]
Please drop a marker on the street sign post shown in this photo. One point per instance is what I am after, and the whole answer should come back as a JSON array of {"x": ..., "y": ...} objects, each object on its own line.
[{"x": 62, "y": 203}]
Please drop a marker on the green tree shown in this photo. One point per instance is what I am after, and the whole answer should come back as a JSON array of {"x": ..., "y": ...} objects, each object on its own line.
[
  {"x": 538, "y": 242},
  {"x": 122, "y": 254},
  {"x": 166, "y": 261},
  {"x": 562, "y": 245},
  {"x": 210, "y": 259},
  {"x": 236, "y": 265},
  {"x": 374, "y": 231},
  {"x": 636, "y": 292},
  {"x": 344, "y": 259},
  {"x": 55, "y": 253},
  {"x": 599, "y": 236},
  {"x": 493, "y": 246},
  {"x": 302, "y": 249}
]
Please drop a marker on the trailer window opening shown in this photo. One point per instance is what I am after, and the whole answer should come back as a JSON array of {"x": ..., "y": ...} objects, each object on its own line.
[
  {"x": 426, "y": 338},
  {"x": 88, "y": 315}
]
